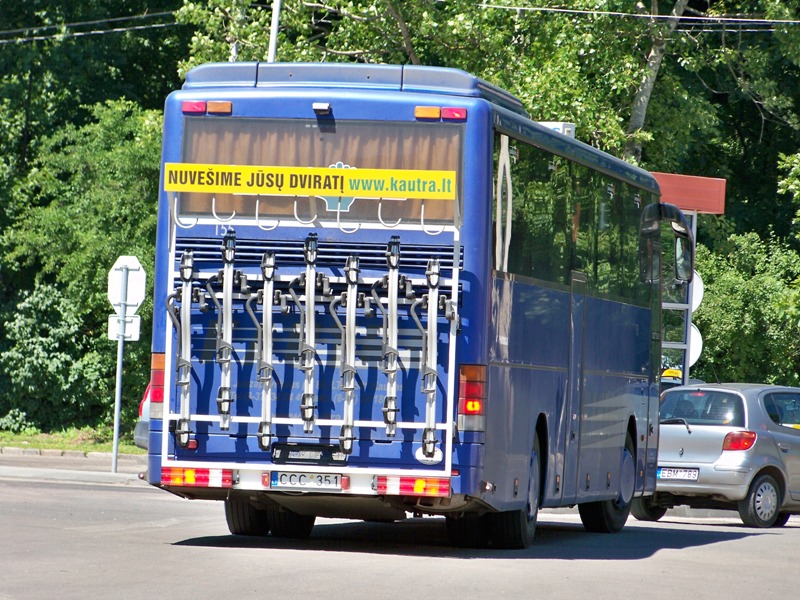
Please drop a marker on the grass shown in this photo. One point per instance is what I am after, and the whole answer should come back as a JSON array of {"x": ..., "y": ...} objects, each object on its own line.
[{"x": 83, "y": 440}]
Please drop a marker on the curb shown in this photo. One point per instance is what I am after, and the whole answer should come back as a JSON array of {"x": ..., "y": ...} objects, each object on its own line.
[{"x": 55, "y": 453}]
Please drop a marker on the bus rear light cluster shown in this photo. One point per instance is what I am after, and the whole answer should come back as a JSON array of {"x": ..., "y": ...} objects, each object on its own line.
[
  {"x": 156, "y": 388},
  {"x": 210, "y": 478},
  {"x": 472, "y": 398},
  {"x": 446, "y": 113},
  {"x": 201, "y": 107},
  {"x": 430, "y": 487}
]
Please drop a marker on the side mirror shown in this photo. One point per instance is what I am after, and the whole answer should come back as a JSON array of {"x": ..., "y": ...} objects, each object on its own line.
[{"x": 684, "y": 259}]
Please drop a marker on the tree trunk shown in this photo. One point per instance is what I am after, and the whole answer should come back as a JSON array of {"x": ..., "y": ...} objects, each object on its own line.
[{"x": 633, "y": 146}]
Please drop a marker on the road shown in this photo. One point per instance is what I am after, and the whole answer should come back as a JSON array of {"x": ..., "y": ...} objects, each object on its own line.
[{"x": 123, "y": 539}]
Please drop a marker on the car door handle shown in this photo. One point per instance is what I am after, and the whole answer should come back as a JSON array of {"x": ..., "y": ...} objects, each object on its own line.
[{"x": 784, "y": 447}]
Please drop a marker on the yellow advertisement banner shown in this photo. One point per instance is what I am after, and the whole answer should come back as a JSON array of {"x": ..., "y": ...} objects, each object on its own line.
[{"x": 310, "y": 181}]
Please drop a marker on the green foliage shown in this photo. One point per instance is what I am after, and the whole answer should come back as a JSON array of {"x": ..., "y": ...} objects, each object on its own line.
[
  {"x": 89, "y": 198},
  {"x": 16, "y": 421},
  {"x": 749, "y": 314},
  {"x": 48, "y": 356}
]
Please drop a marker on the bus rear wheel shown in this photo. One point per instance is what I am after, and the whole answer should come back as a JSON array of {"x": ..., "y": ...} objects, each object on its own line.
[
  {"x": 515, "y": 529},
  {"x": 285, "y": 523},
  {"x": 610, "y": 516},
  {"x": 245, "y": 519},
  {"x": 468, "y": 531}
]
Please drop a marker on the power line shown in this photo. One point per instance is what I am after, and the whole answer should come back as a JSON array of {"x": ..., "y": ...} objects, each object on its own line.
[
  {"x": 701, "y": 20},
  {"x": 27, "y": 31},
  {"x": 78, "y": 34}
]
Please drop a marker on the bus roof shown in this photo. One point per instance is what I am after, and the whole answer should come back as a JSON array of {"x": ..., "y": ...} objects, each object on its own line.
[{"x": 401, "y": 78}]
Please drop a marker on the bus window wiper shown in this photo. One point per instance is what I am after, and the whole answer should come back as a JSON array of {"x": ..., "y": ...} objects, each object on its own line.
[{"x": 676, "y": 420}]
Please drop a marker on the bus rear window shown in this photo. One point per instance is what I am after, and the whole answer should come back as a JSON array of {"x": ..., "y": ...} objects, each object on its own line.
[{"x": 411, "y": 170}]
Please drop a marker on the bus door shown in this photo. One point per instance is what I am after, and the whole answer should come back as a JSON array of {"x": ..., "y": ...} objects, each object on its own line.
[{"x": 572, "y": 429}]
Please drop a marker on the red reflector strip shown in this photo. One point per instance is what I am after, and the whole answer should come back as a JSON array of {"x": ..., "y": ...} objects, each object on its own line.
[
  {"x": 454, "y": 114},
  {"x": 193, "y": 107},
  {"x": 436, "y": 487},
  {"x": 212, "y": 478}
]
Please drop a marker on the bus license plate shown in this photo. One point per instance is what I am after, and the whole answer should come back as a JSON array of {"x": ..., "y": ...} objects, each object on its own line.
[
  {"x": 284, "y": 480},
  {"x": 671, "y": 473}
]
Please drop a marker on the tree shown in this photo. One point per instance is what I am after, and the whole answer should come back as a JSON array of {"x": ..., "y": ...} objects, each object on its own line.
[
  {"x": 749, "y": 315},
  {"x": 89, "y": 197}
]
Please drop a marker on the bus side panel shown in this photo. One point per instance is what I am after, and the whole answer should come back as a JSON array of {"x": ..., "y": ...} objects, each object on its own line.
[
  {"x": 616, "y": 373},
  {"x": 527, "y": 378}
]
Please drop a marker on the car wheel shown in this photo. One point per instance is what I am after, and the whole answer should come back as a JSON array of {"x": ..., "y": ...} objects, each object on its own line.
[
  {"x": 245, "y": 519},
  {"x": 643, "y": 509},
  {"x": 760, "y": 507},
  {"x": 783, "y": 518}
]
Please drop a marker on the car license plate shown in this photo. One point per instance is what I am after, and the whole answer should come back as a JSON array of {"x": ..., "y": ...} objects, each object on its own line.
[
  {"x": 284, "y": 480},
  {"x": 673, "y": 473}
]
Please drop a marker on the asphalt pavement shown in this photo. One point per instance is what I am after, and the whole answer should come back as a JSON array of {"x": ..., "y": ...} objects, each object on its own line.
[
  {"x": 71, "y": 465},
  {"x": 96, "y": 467}
]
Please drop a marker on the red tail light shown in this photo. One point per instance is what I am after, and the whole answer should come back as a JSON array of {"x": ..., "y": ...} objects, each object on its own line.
[
  {"x": 739, "y": 440},
  {"x": 472, "y": 398},
  {"x": 220, "y": 478},
  {"x": 437, "y": 487},
  {"x": 156, "y": 386}
]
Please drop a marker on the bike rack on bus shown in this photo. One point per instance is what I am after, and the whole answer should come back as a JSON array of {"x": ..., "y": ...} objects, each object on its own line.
[
  {"x": 175, "y": 216},
  {"x": 214, "y": 211},
  {"x": 258, "y": 220},
  {"x": 429, "y": 353},
  {"x": 185, "y": 295},
  {"x": 264, "y": 330},
  {"x": 348, "y": 343},
  {"x": 313, "y": 201},
  {"x": 390, "y": 353},
  {"x": 225, "y": 324},
  {"x": 307, "y": 347},
  {"x": 422, "y": 222}
]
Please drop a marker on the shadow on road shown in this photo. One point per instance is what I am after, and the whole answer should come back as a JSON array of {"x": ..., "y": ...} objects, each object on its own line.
[{"x": 427, "y": 537}]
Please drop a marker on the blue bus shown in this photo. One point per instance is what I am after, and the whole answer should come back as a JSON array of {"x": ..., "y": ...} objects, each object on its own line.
[{"x": 385, "y": 291}]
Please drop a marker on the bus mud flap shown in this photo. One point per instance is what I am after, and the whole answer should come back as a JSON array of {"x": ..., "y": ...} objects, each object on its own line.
[
  {"x": 264, "y": 331},
  {"x": 183, "y": 329}
]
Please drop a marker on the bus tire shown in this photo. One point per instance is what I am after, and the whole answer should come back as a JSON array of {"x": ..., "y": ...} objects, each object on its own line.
[
  {"x": 285, "y": 523},
  {"x": 643, "y": 509},
  {"x": 610, "y": 516},
  {"x": 469, "y": 531},
  {"x": 515, "y": 529},
  {"x": 245, "y": 519}
]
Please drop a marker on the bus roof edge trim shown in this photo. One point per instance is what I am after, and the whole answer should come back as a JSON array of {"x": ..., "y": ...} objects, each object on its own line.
[{"x": 407, "y": 78}]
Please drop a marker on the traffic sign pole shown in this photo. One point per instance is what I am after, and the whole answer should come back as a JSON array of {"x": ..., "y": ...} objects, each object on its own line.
[
  {"x": 120, "y": 354},
  {"x": 126, "y": 287}
]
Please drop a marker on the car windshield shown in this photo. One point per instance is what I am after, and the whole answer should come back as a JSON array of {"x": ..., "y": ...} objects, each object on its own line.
[{"x": 702, "y": 407}]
